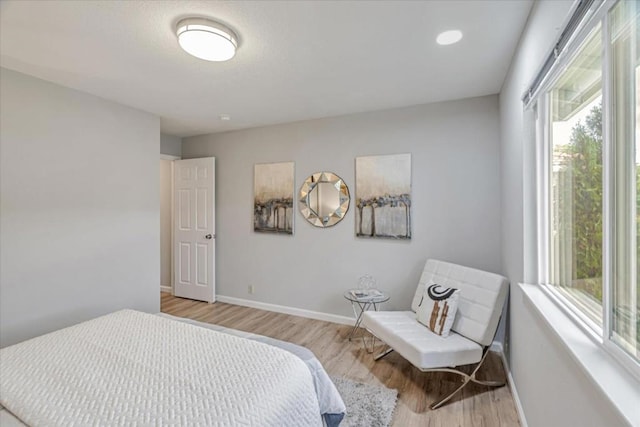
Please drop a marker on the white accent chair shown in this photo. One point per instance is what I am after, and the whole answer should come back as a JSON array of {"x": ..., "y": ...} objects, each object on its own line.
[{"x": 482, "y": 296}]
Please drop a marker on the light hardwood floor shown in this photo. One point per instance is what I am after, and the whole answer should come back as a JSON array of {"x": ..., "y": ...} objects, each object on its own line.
[{"x": 475, "y": 406}]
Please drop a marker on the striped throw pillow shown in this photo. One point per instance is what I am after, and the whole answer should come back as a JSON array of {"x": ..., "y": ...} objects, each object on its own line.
[{"x": 437, "y": 308}]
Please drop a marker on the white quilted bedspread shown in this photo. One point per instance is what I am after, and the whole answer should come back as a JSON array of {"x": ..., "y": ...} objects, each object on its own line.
[{"x": 132, "y": 368}]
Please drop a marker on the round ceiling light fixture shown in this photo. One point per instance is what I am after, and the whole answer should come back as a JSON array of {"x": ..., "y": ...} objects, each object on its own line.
[
  {"x": 449, "y": 37},
  {"x": 206, "y": 39}
]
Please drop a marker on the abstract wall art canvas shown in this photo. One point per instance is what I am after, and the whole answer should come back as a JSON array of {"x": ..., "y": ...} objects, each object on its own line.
[
  {"x": 273, "y": 198},
  {"x": 383, "y": 196}
]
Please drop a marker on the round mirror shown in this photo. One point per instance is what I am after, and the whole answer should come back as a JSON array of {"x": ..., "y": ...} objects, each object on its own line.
[{"x": 324, "y": 199}]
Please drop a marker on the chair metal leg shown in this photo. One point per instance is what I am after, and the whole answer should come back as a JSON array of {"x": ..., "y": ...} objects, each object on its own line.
[
  {"x": 484, "y": 382},
  {"x": 383, "y": 354},
  {"x": 445, "y": 399},
  {"x": 466, "y": 379}
]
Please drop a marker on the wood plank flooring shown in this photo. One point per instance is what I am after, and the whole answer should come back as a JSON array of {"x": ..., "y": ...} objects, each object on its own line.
[{"x": 476, "y": 405}]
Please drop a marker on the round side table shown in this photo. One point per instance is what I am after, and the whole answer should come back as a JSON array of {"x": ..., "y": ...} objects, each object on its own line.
[{"x": 362, "y": 301}]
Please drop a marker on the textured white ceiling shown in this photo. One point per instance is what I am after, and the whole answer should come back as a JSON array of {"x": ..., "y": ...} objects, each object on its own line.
[{"x": 297, "y": 60}]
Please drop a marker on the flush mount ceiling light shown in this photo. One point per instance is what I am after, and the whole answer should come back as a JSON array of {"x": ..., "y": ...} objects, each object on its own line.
[
  {"x": 449, "y": 37},
  {"x": 206, "y": 39}
]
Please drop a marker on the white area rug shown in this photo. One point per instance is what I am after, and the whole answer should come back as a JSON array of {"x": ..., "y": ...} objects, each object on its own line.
[{"x": 367, "y": 405}]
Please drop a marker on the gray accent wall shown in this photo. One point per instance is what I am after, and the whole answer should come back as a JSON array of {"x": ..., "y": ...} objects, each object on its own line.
[
  {"x": 553, "y": 389},
  {"x": 456, "y": 203},
  {"x": 79, "y": 207},
  {"x": 171, "y": 145}
]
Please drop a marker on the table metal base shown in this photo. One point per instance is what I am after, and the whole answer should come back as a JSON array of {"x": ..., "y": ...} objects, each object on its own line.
[{"x": 364, "y": 306}]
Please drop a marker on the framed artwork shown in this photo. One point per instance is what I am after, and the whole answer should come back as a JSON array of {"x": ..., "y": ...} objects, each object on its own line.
[
  {"x": 383, "y": 196},
  {"x": 273, "y": 198}
]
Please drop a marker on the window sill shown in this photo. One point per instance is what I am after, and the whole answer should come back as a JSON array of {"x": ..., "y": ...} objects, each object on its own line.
[{"x": 616, "y": 383}]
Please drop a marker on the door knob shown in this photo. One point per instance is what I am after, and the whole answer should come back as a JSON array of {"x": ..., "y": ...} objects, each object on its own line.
[{"x": 208, "y": 236}]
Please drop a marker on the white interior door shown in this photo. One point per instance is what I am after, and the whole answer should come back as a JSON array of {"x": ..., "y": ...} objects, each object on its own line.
[{"x": 194, "y": 229}]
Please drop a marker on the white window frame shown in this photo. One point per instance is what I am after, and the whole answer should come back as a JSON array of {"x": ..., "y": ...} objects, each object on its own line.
[
  {"x": 540, "y": 105},
  {"x": 608, "y": 219}
]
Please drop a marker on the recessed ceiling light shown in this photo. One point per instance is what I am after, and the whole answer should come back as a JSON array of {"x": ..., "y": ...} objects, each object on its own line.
[
  {"x": 449, "y": 37},
  {"x": 224, "y": 117},
  {"x": 206, "y": 39}
]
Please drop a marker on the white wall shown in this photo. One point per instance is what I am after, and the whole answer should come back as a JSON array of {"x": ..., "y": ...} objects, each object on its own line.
[
  {"x": 166, "y": 266},
  {"x": 79, "y": 213},
  {"x": 171, "y": 145},
  {"x": 553, "y": 390},
  {"x": 456, "y": 203}
]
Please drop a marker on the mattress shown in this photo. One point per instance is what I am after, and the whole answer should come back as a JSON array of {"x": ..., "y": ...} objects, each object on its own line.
[{"x": 132, "y": 368}]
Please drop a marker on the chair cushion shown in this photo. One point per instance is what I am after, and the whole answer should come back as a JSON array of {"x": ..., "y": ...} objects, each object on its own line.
[
  {"x": 416, "y": 343},
  {"x": 482, "y": 296}
]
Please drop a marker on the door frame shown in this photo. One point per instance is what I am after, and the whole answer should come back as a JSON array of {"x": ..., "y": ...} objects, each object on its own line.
[{"x": 172, "y": 219}]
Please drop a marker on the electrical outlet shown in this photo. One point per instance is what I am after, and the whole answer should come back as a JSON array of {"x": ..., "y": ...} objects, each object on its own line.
[{"x": 251, "y": 289}]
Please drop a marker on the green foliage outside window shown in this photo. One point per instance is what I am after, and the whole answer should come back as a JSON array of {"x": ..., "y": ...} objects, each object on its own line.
[{"x": 582, "y": 157}]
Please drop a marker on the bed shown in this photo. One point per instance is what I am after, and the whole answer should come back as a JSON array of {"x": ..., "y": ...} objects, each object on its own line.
[{"x": 130, "y": 368}]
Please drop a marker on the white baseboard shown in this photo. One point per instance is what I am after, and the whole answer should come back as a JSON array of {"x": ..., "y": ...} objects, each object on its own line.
[
  {"x": 164, "y": 288},
  {"x": 512, "y": 386},
  {"x": 344, "y": 320}
]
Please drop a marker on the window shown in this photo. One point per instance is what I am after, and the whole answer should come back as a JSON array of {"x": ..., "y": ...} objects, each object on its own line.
[
  {"x": 588, "y": 113},
  {"x": 575, "y": 191},
  {"x": 624, "y": 68}
]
